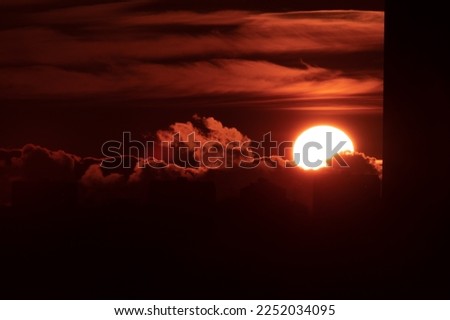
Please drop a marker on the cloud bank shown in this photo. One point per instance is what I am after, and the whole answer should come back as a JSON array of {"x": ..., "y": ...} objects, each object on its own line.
[{"x": 37, "y": 164}]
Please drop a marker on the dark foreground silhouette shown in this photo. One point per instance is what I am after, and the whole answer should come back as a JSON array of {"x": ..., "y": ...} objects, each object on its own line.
[{"x": 184, "y": 243}]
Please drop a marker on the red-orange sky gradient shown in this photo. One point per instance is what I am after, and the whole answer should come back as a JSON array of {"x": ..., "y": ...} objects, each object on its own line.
[
  {"x": 75, "y": 74},
  {"x": 109, "y": 49}
]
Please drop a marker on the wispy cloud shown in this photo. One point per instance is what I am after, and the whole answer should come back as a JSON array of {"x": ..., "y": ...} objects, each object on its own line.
[{"x": 110, "y": 48}]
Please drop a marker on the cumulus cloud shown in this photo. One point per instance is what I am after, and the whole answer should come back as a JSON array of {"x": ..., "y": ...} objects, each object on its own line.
[
  {"x": 205, "y": 129},
  {"x": 98, "y": 185},
  {"x": 361, "y": 163},
  {"x": 35, "y": 163},
  {"x": 94, "y": 177}
]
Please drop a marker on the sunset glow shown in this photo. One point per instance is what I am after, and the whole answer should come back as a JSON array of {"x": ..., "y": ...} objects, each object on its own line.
[
  {"x": 318, "y": 151},
  {"x": 170, "y": 149}
]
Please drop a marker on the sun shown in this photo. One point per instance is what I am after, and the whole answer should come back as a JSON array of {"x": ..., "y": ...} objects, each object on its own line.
[{"x": 314, "y": 146}]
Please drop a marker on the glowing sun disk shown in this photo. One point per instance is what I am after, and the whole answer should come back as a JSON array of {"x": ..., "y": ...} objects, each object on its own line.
[{"x": 314, "y": 146}]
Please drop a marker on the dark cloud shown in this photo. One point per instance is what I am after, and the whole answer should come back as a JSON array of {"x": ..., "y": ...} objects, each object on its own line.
[
  {"x": 199, "y": 5},
  {"x": 110, "y": 49},
  {"x": 203, "y": 78},
  {"x": 260, "y": 5},
  {"x": 109, "y": 36},
  {"x": 37, "y": 163},
  {"x": 362, "y": 164},
  {"x": 17, "y": 3},
  {"x": 98, "y": 185}
]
